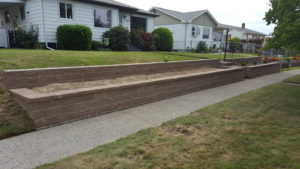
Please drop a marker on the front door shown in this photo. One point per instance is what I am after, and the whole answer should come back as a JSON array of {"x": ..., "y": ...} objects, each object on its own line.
[{"x": 138, "y": 23}]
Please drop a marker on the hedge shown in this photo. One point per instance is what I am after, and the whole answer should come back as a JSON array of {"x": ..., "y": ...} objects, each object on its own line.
[
  {"x": 74, "y": 37},
  {"x": 163, "y": 39}
]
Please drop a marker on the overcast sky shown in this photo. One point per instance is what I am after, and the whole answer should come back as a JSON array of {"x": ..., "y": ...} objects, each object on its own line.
[{"x": 232, "y": 12}]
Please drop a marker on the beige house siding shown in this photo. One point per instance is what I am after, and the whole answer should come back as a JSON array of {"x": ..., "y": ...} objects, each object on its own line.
[
  {"x": 205, "y": 20},
  {"x": 164, "y": 19}
]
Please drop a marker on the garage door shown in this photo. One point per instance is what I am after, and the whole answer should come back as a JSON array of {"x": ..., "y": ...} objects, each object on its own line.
[{"x": 3, "y": 38}]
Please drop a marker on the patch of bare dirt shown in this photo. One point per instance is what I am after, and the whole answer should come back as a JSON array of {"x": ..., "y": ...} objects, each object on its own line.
[{"x": 106, "y": 82}]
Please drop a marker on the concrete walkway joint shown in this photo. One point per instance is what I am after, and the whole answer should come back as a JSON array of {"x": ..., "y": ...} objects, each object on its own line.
[{"x": 33, "y": 149}]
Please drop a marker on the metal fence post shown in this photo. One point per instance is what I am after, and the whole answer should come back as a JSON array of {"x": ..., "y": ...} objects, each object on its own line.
[{"x": 226, "y": 42}]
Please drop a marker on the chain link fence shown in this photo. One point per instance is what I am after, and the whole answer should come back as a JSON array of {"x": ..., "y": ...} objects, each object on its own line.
[{"x": 232, "y": 50}]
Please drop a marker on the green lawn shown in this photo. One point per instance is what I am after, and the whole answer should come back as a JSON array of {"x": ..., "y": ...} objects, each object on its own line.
[
  {"x": 22, "y": 58},
  {"x": 291, "y": 68},
  {"x": 259, "y": 129},
  {"x": 26, "y": 58},
  {"x": 295, "y": 79},
  {"x": 13, "y": 119}
]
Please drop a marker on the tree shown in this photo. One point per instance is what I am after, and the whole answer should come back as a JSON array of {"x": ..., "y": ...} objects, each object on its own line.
[
  {"x": 285, "y": 14},
  {"x": 235, "y": 45}
]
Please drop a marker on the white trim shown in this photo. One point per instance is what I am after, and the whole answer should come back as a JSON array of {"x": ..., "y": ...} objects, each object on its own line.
[
  {"x": 66, "y": 12},
  {"x": 167, "y": 14}
]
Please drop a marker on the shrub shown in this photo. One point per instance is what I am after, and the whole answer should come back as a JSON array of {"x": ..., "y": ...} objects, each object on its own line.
[
  {"x": 74, "y": 37},
  {"x": 136, "y": 38},
  {"x": 235, "y": 45},
  {"x": 96, "y": 45},
  {"x": 27, "y": 38},
  {"x": 202, "y": 47},
  {"x": 163, "y": 39},
  {"x": 148, "y": 42},
  {"x": 119, "y": 38},
  {"x": 142, "y": 40}
]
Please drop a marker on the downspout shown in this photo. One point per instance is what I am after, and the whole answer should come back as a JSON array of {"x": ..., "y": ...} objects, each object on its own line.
[
  {"x": 186, "y": 29},
  {"x": 44, "y": 27}
]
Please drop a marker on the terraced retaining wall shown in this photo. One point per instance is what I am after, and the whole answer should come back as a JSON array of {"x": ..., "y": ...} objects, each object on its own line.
[
  {"x": 246, "y": 61},
  {"x": 62, "y": 107},
  {"x": 54, "y": 108},
  {"x": 292, "y": 63},
  {"x": 261, "y": 70},
  {"x": 30, "y": 78}
]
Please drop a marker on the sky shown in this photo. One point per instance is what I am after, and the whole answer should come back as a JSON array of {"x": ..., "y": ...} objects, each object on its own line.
[{"x": 231, "y": 12}]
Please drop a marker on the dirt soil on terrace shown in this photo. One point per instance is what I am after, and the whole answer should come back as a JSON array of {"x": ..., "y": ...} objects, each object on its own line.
[{"x": 122, "y": 80}]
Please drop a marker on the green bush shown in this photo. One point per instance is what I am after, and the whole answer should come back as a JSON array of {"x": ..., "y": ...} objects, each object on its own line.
[
  {"x": 202, "y": 47},
  {"x": 142, "y": 40},
  {"x": 235, "y": 45},
  {"x": 74, "y": 37},
  {"x": 27, "y": 38},
  {"x": 136, "y": 39},
  {"x": 163, "y": 39},
  {"x": 119, "y": 38},
  {"x": 96, "y": 45}
]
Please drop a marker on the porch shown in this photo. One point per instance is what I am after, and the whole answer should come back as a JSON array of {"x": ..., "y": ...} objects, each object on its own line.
[
  {"x": 138, "y": 23},
  {"x": 12, "y": 13}
]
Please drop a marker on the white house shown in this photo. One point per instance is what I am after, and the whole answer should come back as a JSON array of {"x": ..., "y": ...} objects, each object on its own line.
[
  {"x": 242, "y": 32},
  {"x": 189, "y": 28},
  {"x": 47, "y": 15}
]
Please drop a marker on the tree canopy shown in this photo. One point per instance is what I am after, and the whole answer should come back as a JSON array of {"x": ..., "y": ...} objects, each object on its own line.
[{"x": 285, "y": 14}]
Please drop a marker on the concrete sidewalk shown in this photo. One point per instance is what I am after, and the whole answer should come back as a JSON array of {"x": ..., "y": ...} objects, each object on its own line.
[{"x": 33, "y": 149}]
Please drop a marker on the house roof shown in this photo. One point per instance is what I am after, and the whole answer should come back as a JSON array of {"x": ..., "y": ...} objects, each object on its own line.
[
  {"x": 120, "y": 5},
  {"x": 144, "y": 12},
  {"x": 184, "y": 16},
  {"x": 112, "y": 3},
  {"x": 249, "y": 31}
]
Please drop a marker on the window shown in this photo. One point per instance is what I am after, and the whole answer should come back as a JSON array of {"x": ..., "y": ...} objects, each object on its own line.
[
  {"x": 217, "y": 36},
  {"x": 22, "y": 10},
  {"x": 66, "y": 10},
  {"x": 195, "y": 31},
  {"x": 7, "y": 16},
  {"x": 102, "y": 18},
  {"x": 206, "y": 32}
]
